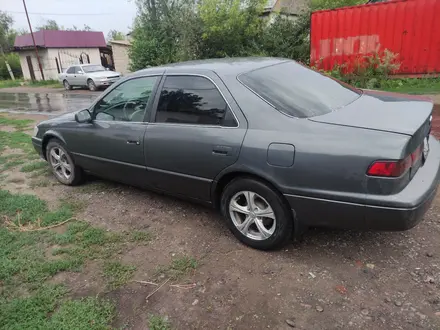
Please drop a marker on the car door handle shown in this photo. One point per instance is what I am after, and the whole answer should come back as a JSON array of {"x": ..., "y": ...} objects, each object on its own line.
[
  {"x": 133, "y": 142},
  {"x": 221, "y": 150}
]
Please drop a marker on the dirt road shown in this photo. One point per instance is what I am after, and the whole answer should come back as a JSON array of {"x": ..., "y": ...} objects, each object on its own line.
[{"x": 329, "y": 280}]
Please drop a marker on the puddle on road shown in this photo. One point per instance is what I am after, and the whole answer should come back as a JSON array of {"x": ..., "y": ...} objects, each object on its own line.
[{"x": 44, "y": 103}]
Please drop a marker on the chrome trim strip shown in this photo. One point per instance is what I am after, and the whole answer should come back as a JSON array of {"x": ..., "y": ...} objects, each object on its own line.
[
  {"x": 143, "y": 123},
  {"x": 179, "y": 174},
  {"x": 110, "y": 160},
  {"x": 353, "y": 203}
]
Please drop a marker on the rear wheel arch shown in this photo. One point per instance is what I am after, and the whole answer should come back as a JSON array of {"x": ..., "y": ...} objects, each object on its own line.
[{"x": 225, "y": 179}]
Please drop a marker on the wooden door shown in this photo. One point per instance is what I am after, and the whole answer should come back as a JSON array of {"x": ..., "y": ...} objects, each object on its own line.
[{"x": 31, "y": 67}]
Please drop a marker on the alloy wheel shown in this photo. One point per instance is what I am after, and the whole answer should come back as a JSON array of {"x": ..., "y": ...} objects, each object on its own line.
[
  {"x": 91, "y": 85},
  {"x": 60, "y": 163},
  {"x": 252, "y": 215}
]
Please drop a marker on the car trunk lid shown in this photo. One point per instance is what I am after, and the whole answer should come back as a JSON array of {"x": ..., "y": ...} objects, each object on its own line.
[{"x": 383, "y": 111}]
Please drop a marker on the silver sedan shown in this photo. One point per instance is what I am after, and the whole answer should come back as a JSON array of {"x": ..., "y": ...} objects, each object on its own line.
[{"x": 92, "y": 76}]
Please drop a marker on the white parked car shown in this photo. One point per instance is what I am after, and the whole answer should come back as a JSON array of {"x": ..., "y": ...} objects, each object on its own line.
[{"x": 92, "y": 76}]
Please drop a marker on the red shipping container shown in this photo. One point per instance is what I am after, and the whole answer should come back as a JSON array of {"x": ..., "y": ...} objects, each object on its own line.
[{"x": 409, "y": 28}]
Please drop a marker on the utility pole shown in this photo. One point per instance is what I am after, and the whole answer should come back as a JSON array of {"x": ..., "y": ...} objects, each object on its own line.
[{"x": 33, "y": 39}]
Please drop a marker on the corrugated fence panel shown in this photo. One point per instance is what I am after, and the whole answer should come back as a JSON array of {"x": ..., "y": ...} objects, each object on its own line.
[{"x": 409, "y": 28}]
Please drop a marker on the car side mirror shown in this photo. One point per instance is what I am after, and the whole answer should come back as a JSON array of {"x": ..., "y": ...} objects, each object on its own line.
[{"x": 83, "y": 116}]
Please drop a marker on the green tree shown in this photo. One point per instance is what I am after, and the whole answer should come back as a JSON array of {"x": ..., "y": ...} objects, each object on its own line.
[
  {"x": 163, "y": 32},
  {"x": 49, "y": 25},
  {"x": 288, "y": 38},
  {"x": 75, "y": 28},
  {"x": 231, "y": 27},
  {"x": 7, "y": 39},
  {"x": 115, "y": 35},
  {"x": 291, "y": 38},
  {"x": 6, "y": 22}
]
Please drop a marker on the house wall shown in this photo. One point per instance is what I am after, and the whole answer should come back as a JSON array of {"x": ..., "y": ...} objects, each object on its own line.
[
  {"x": 120, "y": 56},
  {"x": 24, "y": 64},
  {"x": 66, "y": 57},
  {"x": 70, "y": 56}
]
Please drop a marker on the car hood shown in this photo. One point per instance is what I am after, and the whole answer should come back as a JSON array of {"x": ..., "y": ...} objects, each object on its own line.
[
  {"x": 107, "y": 74},
  {"x": 60, "y": 119},
  {"x": 383, "y": 111}
]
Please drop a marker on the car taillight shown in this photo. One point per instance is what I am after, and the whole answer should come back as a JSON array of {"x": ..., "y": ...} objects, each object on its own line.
[
  {"x": 394, "y": 169},
  {"x": 390, "y": 168},
  {"x": 415, "y": 156}
]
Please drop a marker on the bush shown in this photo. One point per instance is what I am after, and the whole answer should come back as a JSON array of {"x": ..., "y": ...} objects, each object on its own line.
[
  {"x": 288, "y": 38},
  {"x": 368, "y": 71},
  {"x": 14, "y": 62}
]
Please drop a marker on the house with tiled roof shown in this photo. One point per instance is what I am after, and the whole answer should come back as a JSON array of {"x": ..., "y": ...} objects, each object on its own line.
[{"x": 58, "y": 50}]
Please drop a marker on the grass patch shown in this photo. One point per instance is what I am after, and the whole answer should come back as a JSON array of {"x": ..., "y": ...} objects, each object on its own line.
[
  {"x": 16, "y": 140},
  {"x": 47, "y": 83},
  {"x": 28, "y": 259},
  {"x": 19, "y": 124},
  {"x": 140, "y": 236},
  {"x": 13, "y": 163},
  {"x": 178, "y": 268},
  {"x": 34, "y": 166},
  {"x": 19, "y": 82},
  {"x": 10, "y": 83},
  {"x": 156, "y": 322},
  {"x": 412, "y": 85},
  {"x": 117, "y": 274},
  {"x": 44, "y": 171},
  {"x": 25, "y": 209},
  {"x": 23, "y": 256},
  {"x": 45, "y": 310},
  {"x": 84, "y": 314}
]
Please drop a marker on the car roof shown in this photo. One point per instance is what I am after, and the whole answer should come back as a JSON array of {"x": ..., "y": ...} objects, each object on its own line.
[{"x": 222, "y": 66}]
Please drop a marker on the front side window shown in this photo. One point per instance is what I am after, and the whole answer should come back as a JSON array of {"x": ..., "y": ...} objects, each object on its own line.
[
  {"x": 127, "y": 102},
  {"x": 71, "y": 70},
  {"x": 192, "y": 100},
  {"x": 299, "y": 91}
]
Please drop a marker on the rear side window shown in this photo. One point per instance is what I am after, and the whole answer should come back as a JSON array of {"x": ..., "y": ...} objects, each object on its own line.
[
  {"x": 71, "y": 70},
  {"x": 192, "y": 100},
  {"x": 299, "y": 91}
]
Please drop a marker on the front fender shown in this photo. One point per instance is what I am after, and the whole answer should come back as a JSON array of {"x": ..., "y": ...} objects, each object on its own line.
[{"x": 49, "y": 135}]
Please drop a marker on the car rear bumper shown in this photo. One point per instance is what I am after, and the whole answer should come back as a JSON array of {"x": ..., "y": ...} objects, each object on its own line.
[{"x": 400, "y": 211}]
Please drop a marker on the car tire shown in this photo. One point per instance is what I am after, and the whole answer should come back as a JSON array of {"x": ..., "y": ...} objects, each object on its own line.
[
  {"x": 91, "y": 85},
  {"x": 267, "y": 232},
  {"x": 62, "y": 164},
  {"x": 67, "y": 86}
]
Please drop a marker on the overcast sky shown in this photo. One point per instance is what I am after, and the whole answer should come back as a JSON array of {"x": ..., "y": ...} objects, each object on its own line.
[{"x": 100, "y": 15}]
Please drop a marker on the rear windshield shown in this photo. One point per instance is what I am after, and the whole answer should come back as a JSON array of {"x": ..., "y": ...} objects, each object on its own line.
[{"x": 299, "y": 91}]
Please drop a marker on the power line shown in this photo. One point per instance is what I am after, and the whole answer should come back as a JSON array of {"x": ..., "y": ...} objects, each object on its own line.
[{"x": 63, "y": 14}]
